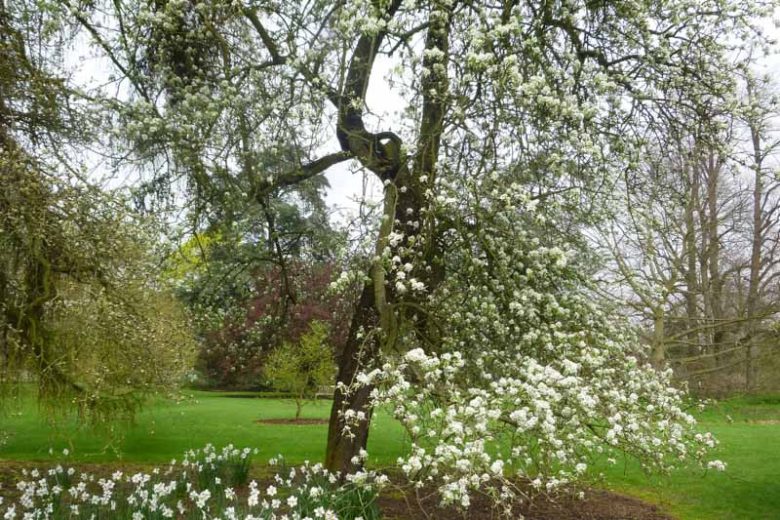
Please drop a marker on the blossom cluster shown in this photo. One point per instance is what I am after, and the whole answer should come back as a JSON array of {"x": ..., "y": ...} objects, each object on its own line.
[{"x": 531, "y": 380}]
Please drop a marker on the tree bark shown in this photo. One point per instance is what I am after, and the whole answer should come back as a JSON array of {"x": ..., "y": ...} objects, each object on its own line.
[
  {"x": 713, "y": 252},
  {"x": 692, "y": 289},
  {"x": 658, "y": 352},
  {"x": 341, "y": 447},
  {"x": 755, "y": 253}
]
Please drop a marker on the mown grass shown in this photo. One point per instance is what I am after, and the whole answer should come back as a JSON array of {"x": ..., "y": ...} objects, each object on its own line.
[
  {"x": 167, "y": 427},
  {"x": 747, "y": 427}
]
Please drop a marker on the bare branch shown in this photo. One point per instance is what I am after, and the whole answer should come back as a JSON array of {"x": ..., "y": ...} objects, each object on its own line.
[
  {"x": 277, "y": 58},
  {"x": 302, "y": 173}
]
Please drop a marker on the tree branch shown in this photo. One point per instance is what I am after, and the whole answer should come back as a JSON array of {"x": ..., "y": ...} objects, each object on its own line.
[
  {"x": 277, "y": 58},
  {"x": 380, "y": 153},
  {"x": 110, "y": 54},
  {"x": 300, "y": 174}
]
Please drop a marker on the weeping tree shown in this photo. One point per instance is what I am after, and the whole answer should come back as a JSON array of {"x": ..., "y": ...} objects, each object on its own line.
[
  {"x": 80, "y": 311},
  {"x": 557, "y": 97}
]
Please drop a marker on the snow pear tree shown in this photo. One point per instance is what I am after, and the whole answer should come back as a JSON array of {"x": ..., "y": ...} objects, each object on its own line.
[{"x": 507, "y": 105}]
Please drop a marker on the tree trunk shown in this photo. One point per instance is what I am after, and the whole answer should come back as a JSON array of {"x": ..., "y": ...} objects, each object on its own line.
[
  {"x": 341, "y": 448},
  {"x": 713, "y": 253},
  {"x": 755, "y": 253},
  {"x": 658, "y": 353},
  {"x": 374, "y": 323},
  {"x": 692, "y": 289}
]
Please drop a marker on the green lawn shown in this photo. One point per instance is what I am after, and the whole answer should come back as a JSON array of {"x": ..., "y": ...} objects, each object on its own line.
[
  {"x": 166, "y": 428},
  {"x": 748, "y": 428}
]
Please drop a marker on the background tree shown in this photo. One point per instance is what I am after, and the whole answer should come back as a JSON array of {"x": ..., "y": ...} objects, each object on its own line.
[
  {"x": 302, "y": 368},
  {"x": 256, "y": 279},
  {"x": 763, "y": 298},
  {"x": 687, "y": 239}
]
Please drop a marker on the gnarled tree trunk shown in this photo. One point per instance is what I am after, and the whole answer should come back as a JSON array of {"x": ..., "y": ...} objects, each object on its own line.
[{"x": 375, "y": 322}]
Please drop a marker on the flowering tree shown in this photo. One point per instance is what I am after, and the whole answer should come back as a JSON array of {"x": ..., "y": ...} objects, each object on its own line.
[
  {"x": 553, "y": 97},
  {"x": 530, "y": 378}
]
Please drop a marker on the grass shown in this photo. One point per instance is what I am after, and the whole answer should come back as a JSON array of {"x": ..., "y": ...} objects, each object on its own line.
[
  {"x": 748, "y": 429},
  {"x": 166, "y": 428}
]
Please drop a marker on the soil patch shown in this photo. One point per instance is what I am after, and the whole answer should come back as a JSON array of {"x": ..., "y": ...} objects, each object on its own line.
[
  {"x": 596, "y": 505},
  {"x": 300, "y": 421}
]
